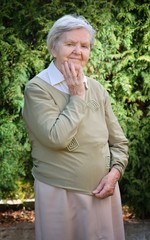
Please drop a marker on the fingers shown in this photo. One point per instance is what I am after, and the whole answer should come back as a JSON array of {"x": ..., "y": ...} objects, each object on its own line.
[
  {"x": 105, "y": 188},
  {"x": 71, "y": 76},
  {"x": 74, "y": 79},
  {"x": 104, "y": 193},
  {"x": 98, "y": 189},
  {"x": 80, "y": 75}
]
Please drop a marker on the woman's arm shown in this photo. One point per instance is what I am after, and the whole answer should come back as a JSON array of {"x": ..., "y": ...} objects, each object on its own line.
[
  {"x": 43, "y": 118},
  {"x": 118, "y": 145}
]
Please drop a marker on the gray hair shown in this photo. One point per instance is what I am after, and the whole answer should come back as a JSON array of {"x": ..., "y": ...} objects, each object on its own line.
[{"x": 68, "y": 23}]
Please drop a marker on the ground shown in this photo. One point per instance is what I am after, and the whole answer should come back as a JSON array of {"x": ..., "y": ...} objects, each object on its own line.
[
  {"x": 13, "y": 217},
  {"x": 16, "y": 224}
]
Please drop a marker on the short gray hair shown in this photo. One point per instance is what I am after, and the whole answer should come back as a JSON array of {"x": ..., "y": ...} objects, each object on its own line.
[{"x": 68, "y": 23}]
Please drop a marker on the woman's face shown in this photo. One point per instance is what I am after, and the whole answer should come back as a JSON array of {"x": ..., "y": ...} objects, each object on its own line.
[{"x": 73, "y": 46}]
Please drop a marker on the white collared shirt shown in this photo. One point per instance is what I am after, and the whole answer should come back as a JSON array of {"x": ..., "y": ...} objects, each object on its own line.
[{"x": 55, "y": 78}]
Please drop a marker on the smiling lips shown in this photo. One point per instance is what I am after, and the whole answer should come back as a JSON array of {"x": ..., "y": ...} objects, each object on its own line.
[{"x": 76, "y": 59}]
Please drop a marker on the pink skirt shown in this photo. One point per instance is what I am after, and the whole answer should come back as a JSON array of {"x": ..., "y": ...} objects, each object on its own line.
[{"x": 68, "y": 215}]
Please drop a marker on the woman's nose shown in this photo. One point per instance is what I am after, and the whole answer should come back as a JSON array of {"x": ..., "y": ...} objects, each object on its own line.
[{"x": 77, "y": 49}]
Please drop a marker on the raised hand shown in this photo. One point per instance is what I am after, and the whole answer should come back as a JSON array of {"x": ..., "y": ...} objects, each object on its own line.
[{"x": 74, "y": 79}]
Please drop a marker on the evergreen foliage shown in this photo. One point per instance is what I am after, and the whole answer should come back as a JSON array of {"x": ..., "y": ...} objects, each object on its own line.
[{"x": 120, "y": 61}]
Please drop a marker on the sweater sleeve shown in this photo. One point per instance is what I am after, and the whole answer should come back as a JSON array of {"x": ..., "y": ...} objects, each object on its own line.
[
  {"x": 43, "y": 118},
  {"x": 118, "y": 143}
]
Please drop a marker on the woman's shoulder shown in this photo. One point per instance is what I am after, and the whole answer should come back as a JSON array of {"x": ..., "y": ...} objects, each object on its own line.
[
  {"x": 36, "y": 81},
  {"x": 38, "y": 84}
]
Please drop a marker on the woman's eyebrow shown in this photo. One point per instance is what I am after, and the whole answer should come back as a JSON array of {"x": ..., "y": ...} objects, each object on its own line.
[
  {"x": 70, "y": 40},
  {"x": 73, "y": 41}
]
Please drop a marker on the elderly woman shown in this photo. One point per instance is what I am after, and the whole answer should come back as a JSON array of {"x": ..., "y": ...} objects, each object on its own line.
[{"x": 78, "y": 147}]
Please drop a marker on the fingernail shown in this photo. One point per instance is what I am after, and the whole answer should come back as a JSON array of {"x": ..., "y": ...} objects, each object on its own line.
[{"x": 95, "y": 191}]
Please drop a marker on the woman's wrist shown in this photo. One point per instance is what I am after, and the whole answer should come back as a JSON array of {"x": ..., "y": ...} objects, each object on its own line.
[{"x": 115, "y": 174}]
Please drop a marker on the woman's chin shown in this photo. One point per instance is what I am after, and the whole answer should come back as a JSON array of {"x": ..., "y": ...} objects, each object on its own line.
[{"x": 77, "y": 67}]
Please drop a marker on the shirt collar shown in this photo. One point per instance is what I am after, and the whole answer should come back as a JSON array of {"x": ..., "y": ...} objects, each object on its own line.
[{"x": 54, "y": 74}]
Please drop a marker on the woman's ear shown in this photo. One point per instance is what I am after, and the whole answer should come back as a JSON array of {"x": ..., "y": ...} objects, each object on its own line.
[{"x": 53, "y": 52}]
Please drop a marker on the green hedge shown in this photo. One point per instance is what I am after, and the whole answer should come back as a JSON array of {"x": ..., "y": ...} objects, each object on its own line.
[{"x": 120, "y": 61}]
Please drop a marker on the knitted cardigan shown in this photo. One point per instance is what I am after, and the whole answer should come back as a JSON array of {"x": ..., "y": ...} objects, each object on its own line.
[{"x": 74, "y": 142}]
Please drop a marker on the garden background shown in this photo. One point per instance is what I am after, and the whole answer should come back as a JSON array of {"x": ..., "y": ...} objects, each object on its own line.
[{"x": 120, "y": 60}]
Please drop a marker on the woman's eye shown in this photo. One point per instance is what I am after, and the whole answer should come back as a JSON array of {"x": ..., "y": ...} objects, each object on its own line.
[
  {"x": 85, "y": 46},
  {"x": 69, "y": 44}
]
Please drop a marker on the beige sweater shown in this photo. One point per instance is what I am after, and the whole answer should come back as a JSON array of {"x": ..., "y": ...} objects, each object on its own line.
[{"x": 74, "y": 142}]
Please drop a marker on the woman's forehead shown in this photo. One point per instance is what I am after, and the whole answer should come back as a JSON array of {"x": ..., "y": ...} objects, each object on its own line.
[{"x": 76, "y": 34}]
